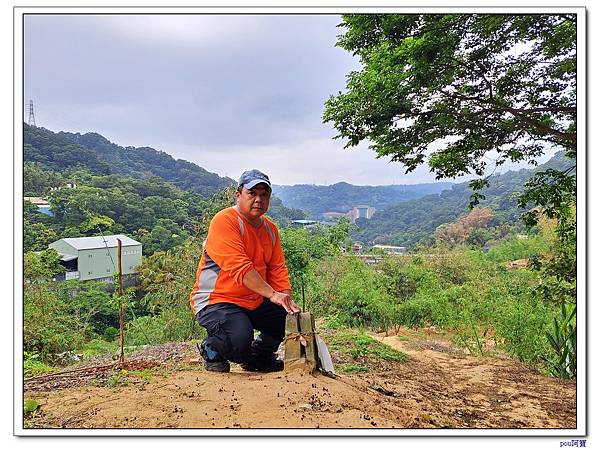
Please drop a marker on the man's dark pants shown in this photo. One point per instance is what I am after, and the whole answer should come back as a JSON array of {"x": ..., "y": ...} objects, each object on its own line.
[{"x": 231, "y": 328}]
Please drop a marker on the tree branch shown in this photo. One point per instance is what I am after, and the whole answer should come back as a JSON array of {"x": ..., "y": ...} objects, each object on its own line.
[
  {"x": 567, "y": 138},
  {"x": 531, "y": 110}
]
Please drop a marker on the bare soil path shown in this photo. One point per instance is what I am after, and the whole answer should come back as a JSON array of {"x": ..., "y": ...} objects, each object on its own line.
[
  {"x": 460, "y": 390},
  {"x": 437, "y": 386}
]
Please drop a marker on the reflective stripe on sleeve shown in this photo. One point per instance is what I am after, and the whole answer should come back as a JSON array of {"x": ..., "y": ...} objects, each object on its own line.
[
  {"x": 208, "y": 279},
  {"x": 271, "y": 233},
  {"x": 241, "y": 224}
]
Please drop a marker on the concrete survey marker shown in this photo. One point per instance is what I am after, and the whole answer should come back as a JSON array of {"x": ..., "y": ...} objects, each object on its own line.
[
  {"x": 300, "y": 346},
  {"x": 304, "y": 350}
]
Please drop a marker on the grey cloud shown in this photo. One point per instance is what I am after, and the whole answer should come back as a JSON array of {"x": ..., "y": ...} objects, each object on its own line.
[{"x": 265, "y": 86}]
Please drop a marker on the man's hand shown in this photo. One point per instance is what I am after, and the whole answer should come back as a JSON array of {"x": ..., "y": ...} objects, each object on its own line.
[
  {"x": 285, "y": 300},
  {"x": 254, "y": 282}
]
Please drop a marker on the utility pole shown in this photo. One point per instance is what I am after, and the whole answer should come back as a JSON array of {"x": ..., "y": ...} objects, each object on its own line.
[
  {"x": 121, "y": 312},
  {"x": 31, "y": 120}
]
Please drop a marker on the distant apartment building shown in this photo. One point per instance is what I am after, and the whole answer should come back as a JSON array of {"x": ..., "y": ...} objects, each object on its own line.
[
  {"x": 361, "y": 212},
  {"x": 96, "y": 257}
]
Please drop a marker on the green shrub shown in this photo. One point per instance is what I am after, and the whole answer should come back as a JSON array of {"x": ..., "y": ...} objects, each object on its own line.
[
  {"x": 416, "y": 313},
  {"x": 424, "y": 278},
  {"x": 321, "y": 284},
  {"x": 333, "y": 322},
  {"x": 169, "y": 326},
  {"x": 33, "y": 366},
  {"x": 522, "y": 324},
  {"x": 451, "y": 267},
  {"x": 50, "y": 327},
  {"x": 472, "y": 338},
  {"x": 514, "y": 248},
  {"x": 110, "y": 333},
  {"x": 167, "y": 278},
  {"x": 392, "y": 277},
  {"x": 359, "y": 301},
  {"x": 91, "y": 302},
  {"x": 97, "y": 346},
  {"x": 145, "y": 330}
]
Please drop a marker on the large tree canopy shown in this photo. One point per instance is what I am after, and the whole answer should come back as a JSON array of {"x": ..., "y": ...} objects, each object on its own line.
[{"x": 449, "y": 88}]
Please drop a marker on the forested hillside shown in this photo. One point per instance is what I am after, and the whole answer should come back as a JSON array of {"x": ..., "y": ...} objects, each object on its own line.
[
  {"x": 341, "y": 197},
  {"x": 64, "y": 150},
  {"x": 110, "y": 197},
  {"x": 414, "y": 221},
  {"x": 141, "y": 189},
  {"x": 56, "y": 152}
]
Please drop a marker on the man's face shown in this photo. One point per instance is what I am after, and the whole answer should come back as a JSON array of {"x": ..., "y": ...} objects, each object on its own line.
[{"x": 254, "y": 202}]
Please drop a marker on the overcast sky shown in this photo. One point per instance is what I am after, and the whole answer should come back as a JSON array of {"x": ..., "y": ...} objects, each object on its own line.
[{"x": 227, "y": 92}]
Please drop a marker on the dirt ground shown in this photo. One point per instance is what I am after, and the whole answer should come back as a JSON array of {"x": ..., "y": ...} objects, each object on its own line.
[{"x": 438, "y": 386}]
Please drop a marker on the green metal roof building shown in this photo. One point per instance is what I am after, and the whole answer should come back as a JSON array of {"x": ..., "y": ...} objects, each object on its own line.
[{"x": 95, "y": 258}]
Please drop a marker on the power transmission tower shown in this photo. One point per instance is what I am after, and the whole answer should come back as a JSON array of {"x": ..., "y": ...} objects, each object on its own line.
[{"x": 31, "y": 120}]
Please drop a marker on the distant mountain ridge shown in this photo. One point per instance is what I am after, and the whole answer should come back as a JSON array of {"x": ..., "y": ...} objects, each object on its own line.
[
  {"x": 405, "y": 214},
  {"x": 62, "y": 150},
  {"x": 412, "y": 222},
  {"x": 341, "y": 197}
]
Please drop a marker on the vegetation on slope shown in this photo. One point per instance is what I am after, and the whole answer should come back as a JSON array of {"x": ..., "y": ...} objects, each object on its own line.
[
  {"x": 413, "y": 222},
  {"x": 342, "y": 197},
  {"x": 60, "y": 151}
]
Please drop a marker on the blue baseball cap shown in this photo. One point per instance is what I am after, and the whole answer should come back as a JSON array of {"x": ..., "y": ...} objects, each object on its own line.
[{"x": 251, "y": 178}]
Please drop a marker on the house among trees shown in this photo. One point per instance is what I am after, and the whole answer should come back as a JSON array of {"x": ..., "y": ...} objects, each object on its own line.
[
  {"x": 96, "y": 257},
  {"x": 41, "y": 203}
]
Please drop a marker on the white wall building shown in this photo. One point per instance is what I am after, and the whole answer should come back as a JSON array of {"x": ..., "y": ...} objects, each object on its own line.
[{"x": 96, "y": 258}]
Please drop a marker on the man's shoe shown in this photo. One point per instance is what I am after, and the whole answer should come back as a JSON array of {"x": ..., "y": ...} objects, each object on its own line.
[
  {"x": 216, "y": 364},
  {"x": 258, "y": 364}
]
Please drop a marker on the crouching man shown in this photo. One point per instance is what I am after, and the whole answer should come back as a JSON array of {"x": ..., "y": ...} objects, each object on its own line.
[{"x": 242, "y": 283}]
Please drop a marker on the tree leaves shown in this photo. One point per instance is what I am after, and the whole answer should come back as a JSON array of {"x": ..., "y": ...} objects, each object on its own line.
[{"x": 456, "y": 86}]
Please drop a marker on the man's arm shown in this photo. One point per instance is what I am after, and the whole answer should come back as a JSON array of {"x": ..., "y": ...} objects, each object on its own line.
[
  {"x": 277, "y": 273},
  {"x": 254, "y": 282}
]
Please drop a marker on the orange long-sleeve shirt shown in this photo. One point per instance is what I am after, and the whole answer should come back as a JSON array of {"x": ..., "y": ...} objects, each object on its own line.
[{"x": 232, "y": 248}]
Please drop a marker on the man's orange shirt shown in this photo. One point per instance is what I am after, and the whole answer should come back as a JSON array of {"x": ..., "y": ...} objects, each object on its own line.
[{"x": 232, "y": 248}]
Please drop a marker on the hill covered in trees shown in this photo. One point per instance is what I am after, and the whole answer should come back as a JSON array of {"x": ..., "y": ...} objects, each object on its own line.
[
  {"x": 63, "y": 150},
  {"x": 94, "y": 186},
  {"x": 413, "y": 222},
  {"x": 342, "y": 197}
]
